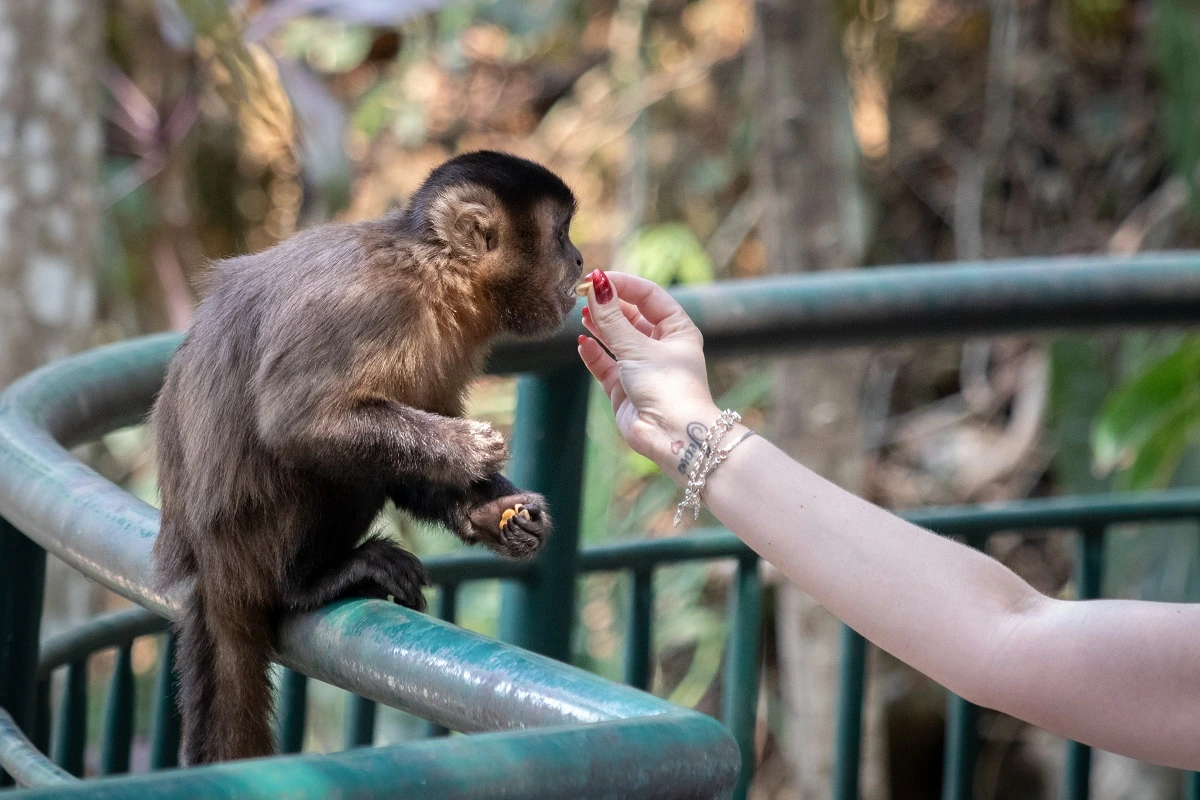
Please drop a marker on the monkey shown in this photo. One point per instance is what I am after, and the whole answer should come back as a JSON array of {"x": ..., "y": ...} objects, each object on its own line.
[{"x": 322, "y": 377}]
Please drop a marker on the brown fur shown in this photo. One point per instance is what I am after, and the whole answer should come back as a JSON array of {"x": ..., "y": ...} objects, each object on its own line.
[{"x": 321, "y": 378}]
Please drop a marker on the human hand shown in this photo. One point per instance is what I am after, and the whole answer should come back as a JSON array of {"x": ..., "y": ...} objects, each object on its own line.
[{"x": 657, "y": 382}]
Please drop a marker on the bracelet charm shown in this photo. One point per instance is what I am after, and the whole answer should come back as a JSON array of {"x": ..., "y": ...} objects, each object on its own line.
[{"x": 707, "y": 460}]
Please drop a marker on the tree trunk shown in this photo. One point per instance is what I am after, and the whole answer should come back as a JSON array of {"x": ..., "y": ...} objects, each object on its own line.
[
  {"x": 50, "y": 139},
  {"x": 806, "y": 178}
]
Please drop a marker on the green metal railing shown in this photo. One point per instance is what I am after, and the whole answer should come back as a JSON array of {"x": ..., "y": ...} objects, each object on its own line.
[{"x": 579, "y": 735}]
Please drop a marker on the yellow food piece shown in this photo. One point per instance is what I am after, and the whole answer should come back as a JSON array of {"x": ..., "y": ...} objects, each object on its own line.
[
  {"x": 582, "y": 287},
  {"x": 508, "y": 514}
]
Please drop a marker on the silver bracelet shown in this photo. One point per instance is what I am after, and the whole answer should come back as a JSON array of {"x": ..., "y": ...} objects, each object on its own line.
[{"x": 708, "y": 458}]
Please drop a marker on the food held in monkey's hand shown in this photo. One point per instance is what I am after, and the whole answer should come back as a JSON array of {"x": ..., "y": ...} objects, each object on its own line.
[{"x": 509, "y": 513}]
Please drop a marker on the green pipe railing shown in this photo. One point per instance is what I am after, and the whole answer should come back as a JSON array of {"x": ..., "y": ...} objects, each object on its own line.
[{"x": 589, "y": 737}]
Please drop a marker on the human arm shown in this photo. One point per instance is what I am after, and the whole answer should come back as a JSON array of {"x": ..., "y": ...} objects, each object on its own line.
[{"x": 1119, "y": 675}]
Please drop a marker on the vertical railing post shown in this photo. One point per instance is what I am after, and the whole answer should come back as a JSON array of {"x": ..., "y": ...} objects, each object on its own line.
[
  {"x": 22, "y": 582},
  {"x": 741, "y": 665},
  {"x": 70, "y": 733},
  {"x": 547, "y": 457},
  {"x": 638, "y": 631},
  {"x": 1191, "y": 786},
  {"x": 118, "y": 715},
  {"x": 360, "y": 722},
  {"x": 164, "y": 732},
  {"x": 848, "y": 746},
  {"x": 962, "y": 747},
  {"x": 293, "y": 711},
  {"x": 1089, "y": 573},
  {"x": 962, "y": 732}
]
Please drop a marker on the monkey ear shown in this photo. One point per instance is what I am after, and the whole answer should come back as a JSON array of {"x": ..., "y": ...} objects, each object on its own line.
[{"x": 467, "y": 225}]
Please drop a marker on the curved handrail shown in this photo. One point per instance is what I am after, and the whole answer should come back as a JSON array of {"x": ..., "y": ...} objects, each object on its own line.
[
  {"x": 24, "y": 762},
  {"x": 376, "y": 649},
  {"x": 107, "y": 630},
  {"x": 891, "y": 304},
  {"x": 468, "y": 682}
]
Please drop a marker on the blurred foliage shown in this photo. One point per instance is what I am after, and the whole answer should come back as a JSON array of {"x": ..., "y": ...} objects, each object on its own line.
[
  {"x": 667, "y": 254},
  {"x": 1177, "y": 42},
  {"x": 1146, "y": 426}
]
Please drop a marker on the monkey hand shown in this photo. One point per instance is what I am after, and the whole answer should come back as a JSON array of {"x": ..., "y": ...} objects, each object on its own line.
[{"x": 513, "y": 526}]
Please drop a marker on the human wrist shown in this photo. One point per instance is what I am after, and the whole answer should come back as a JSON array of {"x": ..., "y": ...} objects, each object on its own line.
[{"x": 683, "y": 435}]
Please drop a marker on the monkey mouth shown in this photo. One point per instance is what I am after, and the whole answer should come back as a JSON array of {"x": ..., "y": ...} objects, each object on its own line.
[{"x": 568, "y": 297}]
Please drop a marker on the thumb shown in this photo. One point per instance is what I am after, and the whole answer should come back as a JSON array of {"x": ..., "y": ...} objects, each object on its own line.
[{"x": 615, "y": 329}]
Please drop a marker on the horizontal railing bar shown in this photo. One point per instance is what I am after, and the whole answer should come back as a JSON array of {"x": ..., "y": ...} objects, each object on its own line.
[
  {"x": 27, "y": 765},
  {"x": 1048, "y": 512},
  {"x": 699, "y": 545},
  {"x": 113, "y": 386},
  {"x": 893, "y": 304},
  {"x": 478, "y": 566},
  {"x": 106, "y": 630},
  {"x": 1060, "y": 512},
  {"x": 671, "y": 756}
]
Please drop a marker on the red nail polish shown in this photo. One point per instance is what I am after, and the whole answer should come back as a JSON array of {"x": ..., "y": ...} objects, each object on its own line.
[
  {"x": 587, "y": 312},
  {"x": 581, "y": 339},
  {"x": 604, "y": 292}
]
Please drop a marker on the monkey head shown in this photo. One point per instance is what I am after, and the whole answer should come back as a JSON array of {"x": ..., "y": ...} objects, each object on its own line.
[{"x": 502, "y": 222}]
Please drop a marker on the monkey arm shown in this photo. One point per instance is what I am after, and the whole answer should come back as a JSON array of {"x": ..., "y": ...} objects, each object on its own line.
[{"x": 380, "y": 440}]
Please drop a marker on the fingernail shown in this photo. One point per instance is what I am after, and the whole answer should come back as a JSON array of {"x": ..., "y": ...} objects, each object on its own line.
[
  {"x": 581, "y": 339},
  {"x": 604, "y": 292},
  {"x": 587, "y": 313}
]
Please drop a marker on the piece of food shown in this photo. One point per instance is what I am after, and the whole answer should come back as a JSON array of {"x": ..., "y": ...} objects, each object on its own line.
[
  {"x": 582, "y": 287},
  {"x": 516, "y": 511}
]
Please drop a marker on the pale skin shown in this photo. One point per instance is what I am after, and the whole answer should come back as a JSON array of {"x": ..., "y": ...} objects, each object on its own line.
[{"x": 1120, "y": 675}]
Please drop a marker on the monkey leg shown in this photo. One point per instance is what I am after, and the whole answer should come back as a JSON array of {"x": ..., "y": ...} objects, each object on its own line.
[
  {"x": 493, "y": 512},
  {"x": 376, "y": 568}
]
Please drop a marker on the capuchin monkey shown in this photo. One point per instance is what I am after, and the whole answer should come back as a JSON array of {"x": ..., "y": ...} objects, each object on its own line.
[{"x": 321, "y": 378}]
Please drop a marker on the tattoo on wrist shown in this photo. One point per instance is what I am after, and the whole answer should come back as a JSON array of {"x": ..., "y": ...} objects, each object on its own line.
[{"x": 688, "y": 447}]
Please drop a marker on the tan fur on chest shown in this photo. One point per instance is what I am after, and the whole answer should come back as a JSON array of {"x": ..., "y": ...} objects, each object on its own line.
[{"x": 435, "y": 345}]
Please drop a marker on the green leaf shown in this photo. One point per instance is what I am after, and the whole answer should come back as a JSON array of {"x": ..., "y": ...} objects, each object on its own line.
[
  {"x": 1142, "y": 407},
  {"x": 668, "y": 254},
  {"x": 1160, "y": 454},
  {"x": 751, "y": 390}
]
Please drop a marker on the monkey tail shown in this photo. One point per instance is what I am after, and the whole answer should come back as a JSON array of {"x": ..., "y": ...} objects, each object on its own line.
[{"x": 224, "y": 684}]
